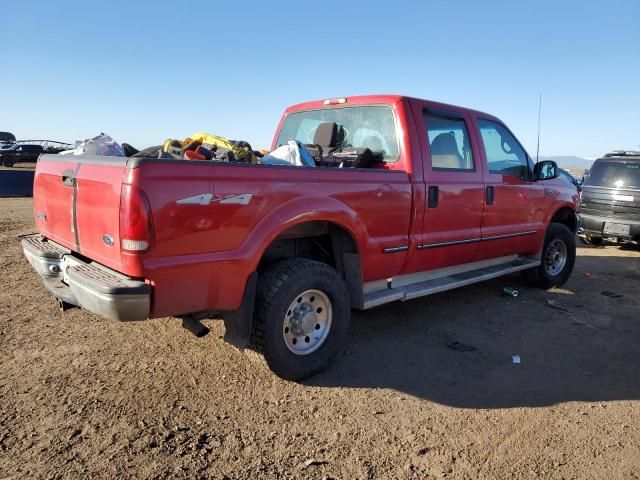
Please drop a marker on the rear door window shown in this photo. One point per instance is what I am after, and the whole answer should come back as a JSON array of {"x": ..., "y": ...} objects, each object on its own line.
[
  {"x": 448, "y": 142},
  {"x": 614, "y": 175}
]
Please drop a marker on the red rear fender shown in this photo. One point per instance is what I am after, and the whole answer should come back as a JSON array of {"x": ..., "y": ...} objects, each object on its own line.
[{"x": 296, "y": 212}]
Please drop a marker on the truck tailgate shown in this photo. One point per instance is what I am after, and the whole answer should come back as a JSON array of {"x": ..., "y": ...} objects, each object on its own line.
[{"x": 77, "y": 204}]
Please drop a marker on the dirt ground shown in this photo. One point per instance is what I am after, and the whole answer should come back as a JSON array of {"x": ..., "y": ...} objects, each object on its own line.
[{"x": 81, "y": 396}]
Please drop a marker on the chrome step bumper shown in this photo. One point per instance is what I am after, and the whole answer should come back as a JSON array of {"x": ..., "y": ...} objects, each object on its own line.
[{"x": 87, "y": 285}]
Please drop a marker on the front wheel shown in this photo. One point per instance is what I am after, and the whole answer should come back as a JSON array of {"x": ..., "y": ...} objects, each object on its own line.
[
  {"x": 558, "y": 258},
  {"x": 7, "y": 162},
  {"x": 302, "y": 317}
]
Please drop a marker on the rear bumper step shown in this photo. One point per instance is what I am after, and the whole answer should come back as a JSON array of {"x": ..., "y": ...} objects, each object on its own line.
[
  {"x": 594, "y": 224},
  {"x": 87, "y": 285}
]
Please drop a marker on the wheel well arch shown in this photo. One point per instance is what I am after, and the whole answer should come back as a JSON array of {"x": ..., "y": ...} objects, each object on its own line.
[
  {"x": 324, "y": 241},
  {"x": 566, "y": 216}
]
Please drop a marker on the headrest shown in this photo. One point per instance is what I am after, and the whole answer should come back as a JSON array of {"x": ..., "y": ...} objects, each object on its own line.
[
  {"x": 328, "y": 134},
  {"x": 445, "y": 144}
]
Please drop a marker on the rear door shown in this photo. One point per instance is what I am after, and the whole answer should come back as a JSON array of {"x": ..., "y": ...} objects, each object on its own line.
[
  {"x": 515, "y": 206},
  {"x": 453, "y": 189}
]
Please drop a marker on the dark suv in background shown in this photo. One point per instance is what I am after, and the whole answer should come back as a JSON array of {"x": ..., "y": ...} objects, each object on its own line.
[
  {"x": 20, "y": 153},
  {"x": 610, "y": 206}
]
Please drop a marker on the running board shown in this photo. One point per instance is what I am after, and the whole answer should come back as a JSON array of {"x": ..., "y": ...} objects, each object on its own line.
[{"x": 447, "y": 281}]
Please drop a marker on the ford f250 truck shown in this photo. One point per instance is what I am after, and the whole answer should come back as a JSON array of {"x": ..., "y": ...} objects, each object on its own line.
[{"x": 408, "y": 198}]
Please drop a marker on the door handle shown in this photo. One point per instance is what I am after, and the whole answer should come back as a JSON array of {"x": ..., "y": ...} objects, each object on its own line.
[
  {"x": 67, "y": 178},
  {"x": 489, "y": 196},
  {"x": 382, "y": 190},
  {"x": 432, "y": 197}
]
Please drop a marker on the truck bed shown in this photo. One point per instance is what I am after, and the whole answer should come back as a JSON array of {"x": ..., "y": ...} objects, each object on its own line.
[{"x": 213, "y": 220}]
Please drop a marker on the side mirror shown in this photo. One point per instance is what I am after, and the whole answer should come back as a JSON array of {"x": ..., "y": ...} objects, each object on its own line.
[{"x": 545, "y": 170}]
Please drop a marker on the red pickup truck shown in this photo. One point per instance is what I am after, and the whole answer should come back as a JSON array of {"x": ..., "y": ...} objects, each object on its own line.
[{"x": 447, "y": 197}]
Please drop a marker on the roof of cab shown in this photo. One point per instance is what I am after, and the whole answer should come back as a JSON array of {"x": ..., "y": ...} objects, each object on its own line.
[{"x": 380, "y": 99}]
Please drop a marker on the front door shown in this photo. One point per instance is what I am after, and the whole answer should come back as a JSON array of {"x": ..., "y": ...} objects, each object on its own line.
[
  {"x": 513, "y": 217},
  {"x": 454, "y": 190}
]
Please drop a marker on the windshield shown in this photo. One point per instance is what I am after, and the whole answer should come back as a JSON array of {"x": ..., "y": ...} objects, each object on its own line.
[
  {"x": 614, "y": 175},
  {"x": 366, "y": 126}
]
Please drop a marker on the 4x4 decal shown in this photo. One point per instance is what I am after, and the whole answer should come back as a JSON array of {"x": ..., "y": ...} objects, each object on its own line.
[{"x": 208, "y": 198}]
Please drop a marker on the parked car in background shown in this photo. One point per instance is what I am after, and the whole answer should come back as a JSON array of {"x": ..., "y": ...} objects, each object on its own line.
[
  {"x": 29, "y": 151},
  {"x": 563, "y": 174},
  {"x": 20, "y": 153},
  {"x": 610, "y": 205},
  {"x": 406, "y": 198}
]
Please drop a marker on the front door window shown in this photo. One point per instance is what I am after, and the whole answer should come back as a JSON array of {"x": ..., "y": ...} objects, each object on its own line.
[{"x": 504, "y": 153}]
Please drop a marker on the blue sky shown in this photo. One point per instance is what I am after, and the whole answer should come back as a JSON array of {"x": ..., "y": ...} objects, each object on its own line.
[{"x": 143, "y": 71}]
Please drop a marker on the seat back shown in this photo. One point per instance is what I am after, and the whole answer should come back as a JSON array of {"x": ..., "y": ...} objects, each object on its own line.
[
  {"x": 445, "y": 153},
  {"x": 328, "y": 135}
]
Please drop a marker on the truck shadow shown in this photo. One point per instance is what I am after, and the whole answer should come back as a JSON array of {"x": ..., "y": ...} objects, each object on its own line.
[{"x": 574, "y": 343}]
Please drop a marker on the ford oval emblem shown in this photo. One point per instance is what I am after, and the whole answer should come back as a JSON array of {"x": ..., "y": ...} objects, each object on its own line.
[{"x": 107, "y": 240}]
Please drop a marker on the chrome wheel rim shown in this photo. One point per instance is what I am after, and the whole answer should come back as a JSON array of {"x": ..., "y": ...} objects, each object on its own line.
[
  {"x": 555, "y": 257},
  {"x": 307, "y": 322}
]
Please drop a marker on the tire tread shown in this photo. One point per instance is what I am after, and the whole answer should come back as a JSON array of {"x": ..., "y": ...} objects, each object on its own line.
[
  {"x": 538, "y": 277},
  {"x": 270, "y": 285}
]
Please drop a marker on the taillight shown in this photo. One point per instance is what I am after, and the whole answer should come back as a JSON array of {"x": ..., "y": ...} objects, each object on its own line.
[{"x": 136, "y": 227}]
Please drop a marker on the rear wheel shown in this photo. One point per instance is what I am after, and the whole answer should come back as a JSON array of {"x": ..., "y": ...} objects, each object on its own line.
[
  {"x": 558, "y": 258},
  {"x": 302, "y": 317}
]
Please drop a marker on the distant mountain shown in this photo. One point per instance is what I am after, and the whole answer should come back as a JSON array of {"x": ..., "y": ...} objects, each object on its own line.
[{"x": 569, "y": 161}]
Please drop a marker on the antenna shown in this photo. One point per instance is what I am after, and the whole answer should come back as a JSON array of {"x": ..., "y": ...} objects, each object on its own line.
[{"x": 539, "y": 110}]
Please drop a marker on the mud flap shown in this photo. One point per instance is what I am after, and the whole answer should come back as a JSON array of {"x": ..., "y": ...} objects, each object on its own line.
[{"x": 238, "y": 323}]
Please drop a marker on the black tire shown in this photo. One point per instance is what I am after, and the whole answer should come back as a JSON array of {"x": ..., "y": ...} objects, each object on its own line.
[
  {"x": 540, "y": 276},
  {"x": 278, "y": 288},
  {"x": 591, "y": 240},
  {"x": 8, "y": 162}
]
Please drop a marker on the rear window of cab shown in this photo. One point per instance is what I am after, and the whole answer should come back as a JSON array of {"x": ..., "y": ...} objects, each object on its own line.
[{"x": 364, "y": 126}]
